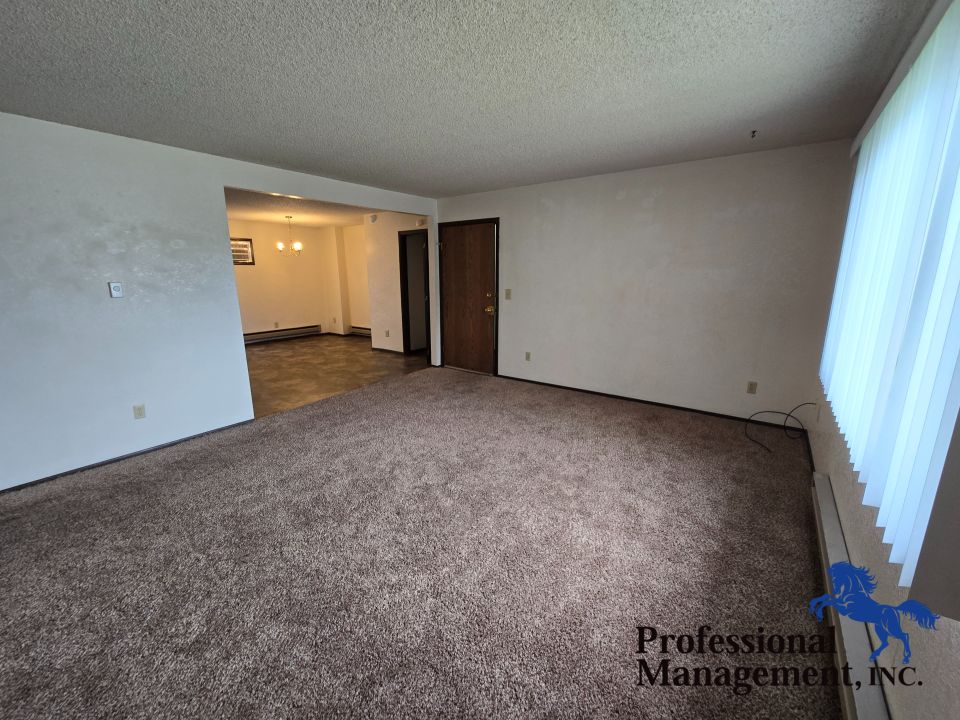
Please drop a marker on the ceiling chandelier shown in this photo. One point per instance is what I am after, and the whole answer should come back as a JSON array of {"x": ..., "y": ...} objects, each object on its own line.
[{"x": 295, "y": 246}]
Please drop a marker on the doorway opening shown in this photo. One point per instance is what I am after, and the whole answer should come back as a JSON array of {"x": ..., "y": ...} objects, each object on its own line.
[
  {"x": 317, "y": 285},
  {"x": 415, "y": 291}
]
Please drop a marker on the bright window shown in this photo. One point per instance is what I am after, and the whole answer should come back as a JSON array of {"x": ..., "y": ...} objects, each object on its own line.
[{"x": 891, "y": 354}]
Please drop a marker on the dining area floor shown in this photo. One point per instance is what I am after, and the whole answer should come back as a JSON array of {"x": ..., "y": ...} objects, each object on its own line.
[{"x": 285, "y": 374}]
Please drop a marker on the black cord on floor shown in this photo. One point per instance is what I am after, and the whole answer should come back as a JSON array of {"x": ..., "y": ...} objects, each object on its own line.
[{"x": 786, "y": 428}]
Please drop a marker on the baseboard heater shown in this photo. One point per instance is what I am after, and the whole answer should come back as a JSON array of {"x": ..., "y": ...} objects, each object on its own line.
[
  {"x": 852, "y": 638},
  {"x": 355, "y": 330},
  {"x": 282, "y": 334}
]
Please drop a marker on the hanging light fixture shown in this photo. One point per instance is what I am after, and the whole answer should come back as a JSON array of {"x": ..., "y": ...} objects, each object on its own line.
[{"x": 295, "y": 246}]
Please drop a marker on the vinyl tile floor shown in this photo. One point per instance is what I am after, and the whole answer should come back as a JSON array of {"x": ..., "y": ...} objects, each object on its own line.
[{"x": 285, "y": 374}]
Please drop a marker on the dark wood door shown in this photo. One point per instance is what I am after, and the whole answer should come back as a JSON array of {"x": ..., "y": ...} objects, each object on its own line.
[{"x": 468, "y": 287}]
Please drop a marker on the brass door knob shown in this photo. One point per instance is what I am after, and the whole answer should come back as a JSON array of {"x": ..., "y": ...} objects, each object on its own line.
[{"x": 489, "y": 310}]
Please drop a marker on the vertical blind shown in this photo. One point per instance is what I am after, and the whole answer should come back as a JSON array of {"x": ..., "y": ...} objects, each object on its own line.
[{"x": 891, "y": 353}]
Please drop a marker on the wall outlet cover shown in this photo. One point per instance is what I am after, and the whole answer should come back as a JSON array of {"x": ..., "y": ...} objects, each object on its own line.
[
  {"x": 507, "y": 294},
  {"x": 387, "y": 334},
  {"x": 139, "y": 412},
  {"x": 752, "y": 387},
  {"x": 116, "y": 289},
  {"x": 526, "y": 356}
]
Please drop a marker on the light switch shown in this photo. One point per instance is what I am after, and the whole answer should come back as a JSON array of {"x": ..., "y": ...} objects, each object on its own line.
[{"x": 116, "y": 289}]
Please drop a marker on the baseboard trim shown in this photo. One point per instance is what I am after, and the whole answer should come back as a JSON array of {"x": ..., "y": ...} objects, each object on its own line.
[
  {"x": 281, "y": 334},
  {"x": 65, "y": 473},
  {"x": 663, "y": 405},
  {"x": 852, "y": 638}
]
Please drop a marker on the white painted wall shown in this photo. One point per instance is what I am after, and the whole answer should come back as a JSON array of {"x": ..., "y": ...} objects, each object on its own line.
[
  {"x": 383, "y": 271},
  {"x": 80, "y": 208},
  {"x": 355, "y": 253},
  {"x": 286, "y": 289},
  {"x": 676, "y": 284}
]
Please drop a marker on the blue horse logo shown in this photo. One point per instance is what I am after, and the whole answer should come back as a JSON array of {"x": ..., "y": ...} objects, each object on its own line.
[{"x": 852, "y": 587}]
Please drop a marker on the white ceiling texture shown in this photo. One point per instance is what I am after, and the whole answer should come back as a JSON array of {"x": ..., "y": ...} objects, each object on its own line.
[{"x": 440, "y": 98}]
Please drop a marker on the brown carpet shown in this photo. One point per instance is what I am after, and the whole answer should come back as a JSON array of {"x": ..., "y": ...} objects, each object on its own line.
[{"x": 436, "y": 545}]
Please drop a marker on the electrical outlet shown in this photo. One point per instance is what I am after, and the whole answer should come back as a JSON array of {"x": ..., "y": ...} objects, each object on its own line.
[
  {"x": 387, "y": 333},
  {"x": 526, "y": 356},
  {"x": 334, "y": 321},
  {"x": 275, "y": 324},
  {"x": 139, "y": 412},
  {"x": 507, "y": 294},
  {"x": 752, "y": 387},
  {"x": 116, "y": 289}
]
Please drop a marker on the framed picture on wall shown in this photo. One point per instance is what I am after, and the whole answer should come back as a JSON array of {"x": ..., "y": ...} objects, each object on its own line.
[{"x": 242, "y": 249}]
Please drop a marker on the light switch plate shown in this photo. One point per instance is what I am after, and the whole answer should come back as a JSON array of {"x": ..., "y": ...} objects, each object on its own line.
[{"x": 116, "y": 289}]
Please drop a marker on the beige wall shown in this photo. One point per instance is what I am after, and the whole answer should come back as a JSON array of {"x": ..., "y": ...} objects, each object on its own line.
[
  {"x": 383, "y": 272},
  {"x": 284, "y": 290},
  {"x": 344, "y": 277},
  {"x": 358, "y": 290},
  {"x": 936, "y": 654}
]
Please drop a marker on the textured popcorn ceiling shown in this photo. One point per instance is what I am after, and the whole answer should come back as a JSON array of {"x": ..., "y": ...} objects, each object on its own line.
[
  {"x": 267, "y": 207},
  {"x": 446, "y": 97}
]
